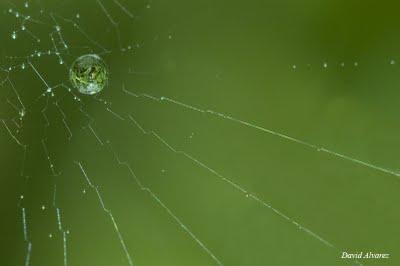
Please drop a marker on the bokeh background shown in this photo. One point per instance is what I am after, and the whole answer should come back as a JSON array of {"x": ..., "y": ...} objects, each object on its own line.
[{"x": 325, "y": 72}]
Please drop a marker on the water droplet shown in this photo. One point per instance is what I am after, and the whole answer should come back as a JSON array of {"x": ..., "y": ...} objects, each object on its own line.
[
  {"x": 14, "y": 35},
  {"x": 82, "y": 81}
]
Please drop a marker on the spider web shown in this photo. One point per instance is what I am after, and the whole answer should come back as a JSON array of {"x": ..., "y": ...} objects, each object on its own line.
[{"x": 137, "y": 176}]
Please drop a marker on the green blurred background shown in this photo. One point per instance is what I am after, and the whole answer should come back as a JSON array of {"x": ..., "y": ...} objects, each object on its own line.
[{"x": 258, "y": 61}]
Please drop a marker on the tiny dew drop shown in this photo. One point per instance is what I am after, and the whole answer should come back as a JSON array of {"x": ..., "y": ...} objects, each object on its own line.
[{"x": 14, "y": 35}]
